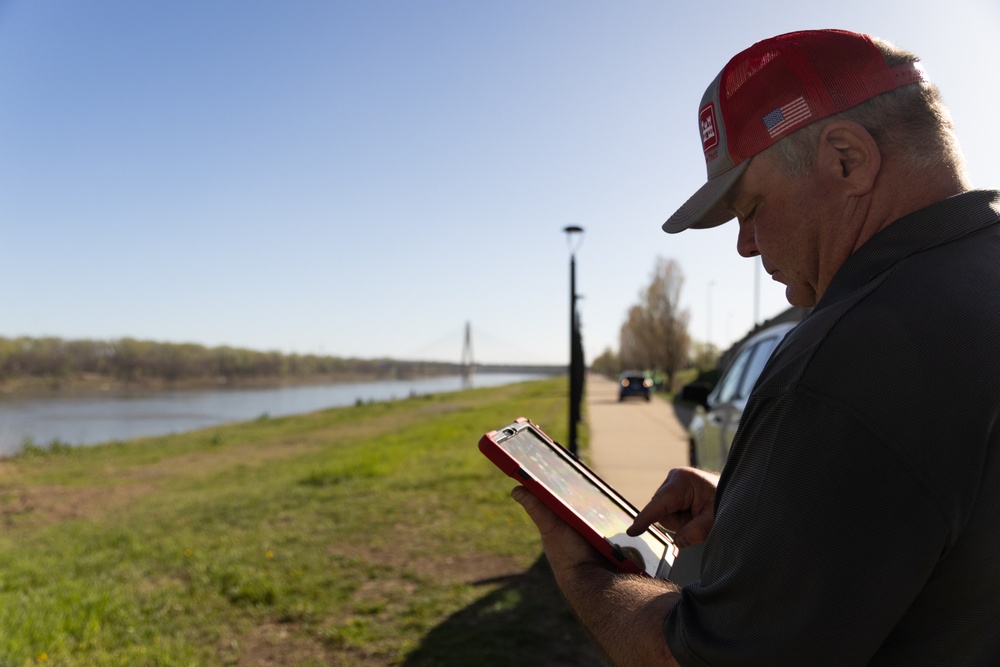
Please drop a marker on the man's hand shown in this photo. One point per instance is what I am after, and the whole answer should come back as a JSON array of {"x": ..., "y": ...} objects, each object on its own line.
[
  {"x": 624, "y": 613},
  {"x": 565, "y": 548},
  {"x": 684, "y": 503}
]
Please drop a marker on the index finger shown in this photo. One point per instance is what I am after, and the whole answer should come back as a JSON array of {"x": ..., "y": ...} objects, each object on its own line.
[{"x": 667, "y": 500}]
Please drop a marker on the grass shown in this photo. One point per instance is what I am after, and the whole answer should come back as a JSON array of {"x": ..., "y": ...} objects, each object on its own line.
[{"x": 368, "y": 535}]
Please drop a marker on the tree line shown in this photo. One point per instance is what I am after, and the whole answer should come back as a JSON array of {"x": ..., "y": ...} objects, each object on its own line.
[
  {"x": 130, "y": 360},
  {"x": 654, "y": 336}
]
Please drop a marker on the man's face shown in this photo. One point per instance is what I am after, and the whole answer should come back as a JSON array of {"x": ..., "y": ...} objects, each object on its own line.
[{"x": 782, "y": 218}]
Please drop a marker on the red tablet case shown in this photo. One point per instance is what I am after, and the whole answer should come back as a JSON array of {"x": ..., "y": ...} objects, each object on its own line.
[{"x": 493, "y": 450}]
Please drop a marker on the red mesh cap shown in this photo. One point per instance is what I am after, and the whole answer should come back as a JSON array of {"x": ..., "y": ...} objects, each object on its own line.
[{"x": 770, "y": 90}]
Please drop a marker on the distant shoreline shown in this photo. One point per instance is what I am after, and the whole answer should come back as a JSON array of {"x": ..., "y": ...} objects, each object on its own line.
[
  {"x": 86, "y": 385},
  {"x": 96, "y": 385},
  {"x": 42, "y": 367}
]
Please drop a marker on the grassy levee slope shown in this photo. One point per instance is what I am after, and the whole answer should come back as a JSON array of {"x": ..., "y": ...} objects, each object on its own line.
[{"x": 366, "y": 535}]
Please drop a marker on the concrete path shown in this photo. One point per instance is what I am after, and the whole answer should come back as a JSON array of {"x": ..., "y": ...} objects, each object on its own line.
[{"x": 633, "y": 445}]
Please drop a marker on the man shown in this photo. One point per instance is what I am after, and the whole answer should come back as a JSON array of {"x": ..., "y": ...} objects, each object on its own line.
[{"x": 857, "y": 520}]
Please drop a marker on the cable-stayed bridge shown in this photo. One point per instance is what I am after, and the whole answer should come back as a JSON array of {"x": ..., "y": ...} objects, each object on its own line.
[{"x": 458, "y": 346}]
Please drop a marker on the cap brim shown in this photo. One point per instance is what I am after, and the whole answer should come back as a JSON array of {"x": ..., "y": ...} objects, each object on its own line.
[{"x": 706, "y": 208}]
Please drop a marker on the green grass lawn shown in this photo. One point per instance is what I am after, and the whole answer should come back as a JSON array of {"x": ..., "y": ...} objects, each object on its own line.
[{"x": 367, "y": 535}]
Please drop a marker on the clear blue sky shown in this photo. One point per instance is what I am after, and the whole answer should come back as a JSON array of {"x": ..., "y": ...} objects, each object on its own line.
[{"x": 362, "y": 178}]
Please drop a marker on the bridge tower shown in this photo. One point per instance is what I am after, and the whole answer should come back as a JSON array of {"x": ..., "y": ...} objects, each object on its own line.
[{"x": 468, "y": 366}]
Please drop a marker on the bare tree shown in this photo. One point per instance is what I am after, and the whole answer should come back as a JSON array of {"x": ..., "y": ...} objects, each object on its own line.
[{"x": 654, "y": 335}]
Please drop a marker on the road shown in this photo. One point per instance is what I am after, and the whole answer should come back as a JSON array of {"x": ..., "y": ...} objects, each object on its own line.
[{"x": 633, "y": 444}]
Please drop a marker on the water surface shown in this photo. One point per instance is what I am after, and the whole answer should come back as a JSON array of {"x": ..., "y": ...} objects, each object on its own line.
[{"x": 87, "y": 420}]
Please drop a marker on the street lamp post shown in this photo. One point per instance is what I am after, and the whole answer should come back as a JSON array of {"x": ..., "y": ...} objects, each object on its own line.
[{"x": 574, "y": 236}]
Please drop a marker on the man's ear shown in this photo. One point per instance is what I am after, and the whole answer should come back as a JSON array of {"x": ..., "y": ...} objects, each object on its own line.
[{"x": 851, "y": 156}]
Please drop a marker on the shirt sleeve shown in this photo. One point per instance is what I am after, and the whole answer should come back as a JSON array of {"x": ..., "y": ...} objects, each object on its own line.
[{"x": 822, "y": 539}]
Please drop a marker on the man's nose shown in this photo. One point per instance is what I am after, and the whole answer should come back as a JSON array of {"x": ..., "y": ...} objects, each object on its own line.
[{"x": 746, "y": 242}]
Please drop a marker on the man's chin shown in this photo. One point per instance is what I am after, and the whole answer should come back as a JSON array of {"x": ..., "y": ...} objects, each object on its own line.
[{"x": 800, "y": 297}]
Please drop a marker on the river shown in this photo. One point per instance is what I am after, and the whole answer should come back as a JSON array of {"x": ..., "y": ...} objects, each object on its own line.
[{"x": 88, "y": 420}]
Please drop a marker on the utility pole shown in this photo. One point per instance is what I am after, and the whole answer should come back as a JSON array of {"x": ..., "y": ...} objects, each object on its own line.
[{"x": 468, "y": 367}]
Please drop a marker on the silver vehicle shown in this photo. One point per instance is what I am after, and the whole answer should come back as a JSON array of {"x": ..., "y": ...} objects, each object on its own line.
[{"x": 716, "y": 418}]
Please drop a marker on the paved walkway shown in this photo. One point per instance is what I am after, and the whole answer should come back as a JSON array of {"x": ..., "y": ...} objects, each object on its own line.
[{"x": 633, "y": 445}]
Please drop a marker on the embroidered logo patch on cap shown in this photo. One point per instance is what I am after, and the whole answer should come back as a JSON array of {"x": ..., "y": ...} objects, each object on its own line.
[{"x": 709, "y": 137}]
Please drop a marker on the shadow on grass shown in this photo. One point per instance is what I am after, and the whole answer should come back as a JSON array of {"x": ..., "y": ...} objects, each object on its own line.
[{"x": 524, "y": 622}]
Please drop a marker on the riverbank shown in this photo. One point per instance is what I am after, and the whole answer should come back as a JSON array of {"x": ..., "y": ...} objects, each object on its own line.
[
  {"x": 366, "y": 535},
  {"x": 90, "y": 384},
  {"x": 86, "y": 419}
]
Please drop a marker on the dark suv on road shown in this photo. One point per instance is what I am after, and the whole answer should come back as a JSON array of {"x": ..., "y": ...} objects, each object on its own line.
[{"x": 634, "y": 383}]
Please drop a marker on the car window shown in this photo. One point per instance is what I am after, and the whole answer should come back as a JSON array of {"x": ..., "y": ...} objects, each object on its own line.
[
  {"x": 731, "y": 380},
  {"x": 758, "y": 357}
]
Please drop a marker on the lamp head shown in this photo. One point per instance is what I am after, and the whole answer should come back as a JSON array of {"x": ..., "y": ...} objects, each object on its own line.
[{"x": 574, "y": 235}]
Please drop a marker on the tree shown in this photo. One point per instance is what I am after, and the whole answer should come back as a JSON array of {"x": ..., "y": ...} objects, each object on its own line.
[
  {"x": 654, "y": 335},
  {"x": 704, "y": 356},
  {"x": 607, "y": 363}
]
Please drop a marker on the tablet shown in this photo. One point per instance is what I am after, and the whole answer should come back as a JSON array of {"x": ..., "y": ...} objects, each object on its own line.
[{"x": 579, "y": 497}]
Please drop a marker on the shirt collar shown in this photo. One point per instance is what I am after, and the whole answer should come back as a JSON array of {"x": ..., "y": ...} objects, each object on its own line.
[{"x": 934, "y": 225}]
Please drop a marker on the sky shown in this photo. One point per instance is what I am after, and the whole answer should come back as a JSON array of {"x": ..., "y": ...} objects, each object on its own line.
[{"x": 368, "y": 178}]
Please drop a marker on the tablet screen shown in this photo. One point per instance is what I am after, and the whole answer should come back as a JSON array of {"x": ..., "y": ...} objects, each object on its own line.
[{"x": 583, "y": 495}]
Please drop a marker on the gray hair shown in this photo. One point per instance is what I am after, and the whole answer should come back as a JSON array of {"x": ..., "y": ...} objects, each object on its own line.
[{"x": 910, "y": 124}]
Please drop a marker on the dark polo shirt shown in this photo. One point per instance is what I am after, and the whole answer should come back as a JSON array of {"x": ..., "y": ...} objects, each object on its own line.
[{"x": 858, "y": 516}]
